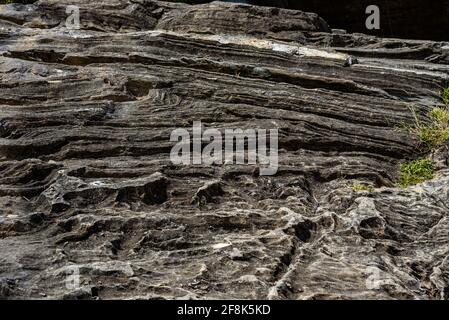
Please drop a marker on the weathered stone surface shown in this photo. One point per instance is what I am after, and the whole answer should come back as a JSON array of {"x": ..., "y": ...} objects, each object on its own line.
[
  {"x": 410, "y": 19},
  {"x": 86, "y": 181}
]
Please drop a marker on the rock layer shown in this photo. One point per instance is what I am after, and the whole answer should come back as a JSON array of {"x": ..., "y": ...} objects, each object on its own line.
[
  {"x": 87, "y": 184},
  {"x": 410, "y": 19}
]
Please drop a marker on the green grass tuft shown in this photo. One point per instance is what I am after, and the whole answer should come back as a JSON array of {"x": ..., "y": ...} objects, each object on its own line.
[
  {"x": 415, "y": 172},
  {"x": 434, "y": 132}
]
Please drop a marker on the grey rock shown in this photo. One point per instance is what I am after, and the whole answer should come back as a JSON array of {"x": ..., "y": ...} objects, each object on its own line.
[{"x": 86, "y": 177}]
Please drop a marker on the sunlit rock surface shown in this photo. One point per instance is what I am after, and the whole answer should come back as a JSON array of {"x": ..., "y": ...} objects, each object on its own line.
[{"x": 86, "y": 181}]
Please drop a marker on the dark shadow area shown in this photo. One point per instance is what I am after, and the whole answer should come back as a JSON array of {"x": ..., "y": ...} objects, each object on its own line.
[{"x": 409, "y": 19}]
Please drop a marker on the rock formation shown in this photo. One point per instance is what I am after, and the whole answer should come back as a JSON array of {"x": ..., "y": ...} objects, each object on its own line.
[
  {"x": 87, "y": 186},
  {"x": 410, "y": 19}
]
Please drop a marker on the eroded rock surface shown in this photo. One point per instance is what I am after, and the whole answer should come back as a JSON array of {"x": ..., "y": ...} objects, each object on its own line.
[{"x": 86, "y": 181}]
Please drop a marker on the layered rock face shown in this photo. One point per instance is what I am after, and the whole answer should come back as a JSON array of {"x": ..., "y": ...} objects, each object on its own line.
[
  {"x": 410, "y": 19},
  {"x": 87, "y": 186}
]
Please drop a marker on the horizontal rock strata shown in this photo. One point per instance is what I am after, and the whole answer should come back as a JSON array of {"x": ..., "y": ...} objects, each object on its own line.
[{"x": 86, "y": 181}]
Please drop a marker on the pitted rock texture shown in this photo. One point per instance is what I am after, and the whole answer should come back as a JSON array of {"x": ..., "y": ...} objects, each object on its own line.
[{"x": 86, "y": 182}]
